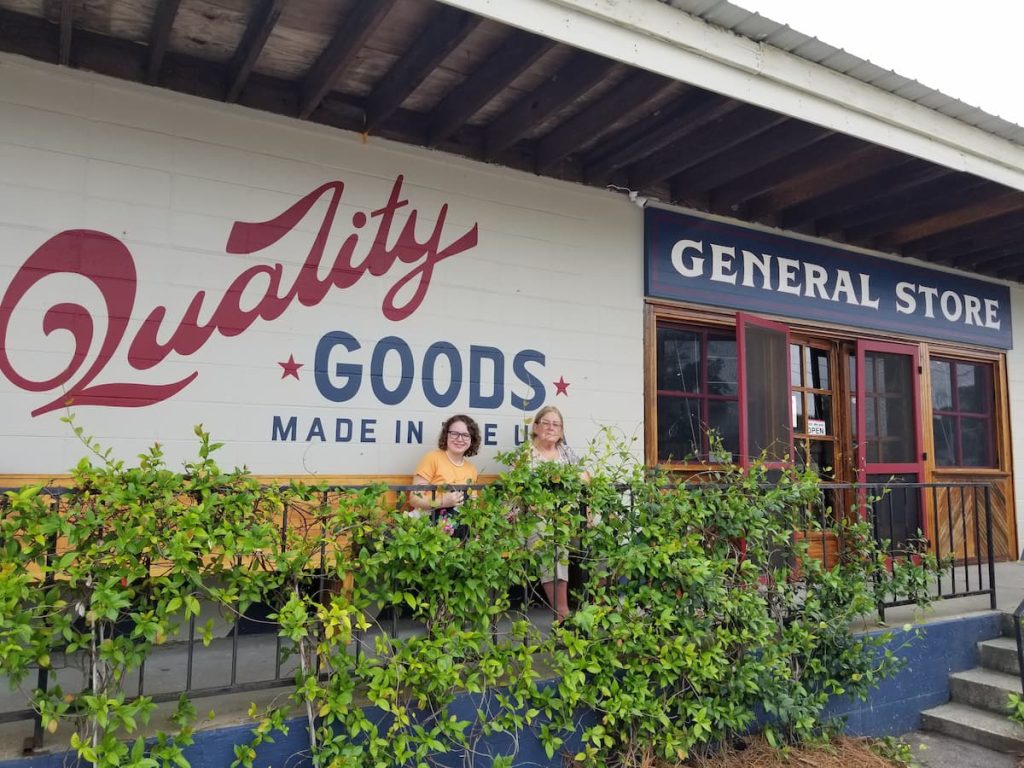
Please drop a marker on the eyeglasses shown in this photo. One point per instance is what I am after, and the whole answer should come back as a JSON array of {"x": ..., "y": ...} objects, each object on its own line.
[
  {"x": 458, "y": 435},
  {"x": 552, "y": 424}
]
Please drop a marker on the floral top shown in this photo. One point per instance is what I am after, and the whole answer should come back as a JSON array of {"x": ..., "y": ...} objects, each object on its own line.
[{"x": 566, "y": 455}]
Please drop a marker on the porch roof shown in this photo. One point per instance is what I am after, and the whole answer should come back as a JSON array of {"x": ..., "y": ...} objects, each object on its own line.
[{"x": 458, "y": 78}]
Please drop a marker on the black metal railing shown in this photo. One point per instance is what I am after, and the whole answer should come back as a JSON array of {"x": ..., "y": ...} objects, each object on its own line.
[
  {"x": 909, "y": 516},
  {"x": 952, "y": 521}
]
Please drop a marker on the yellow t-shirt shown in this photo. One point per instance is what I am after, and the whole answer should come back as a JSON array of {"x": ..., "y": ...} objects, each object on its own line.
[{"x": 437, "y": 469}]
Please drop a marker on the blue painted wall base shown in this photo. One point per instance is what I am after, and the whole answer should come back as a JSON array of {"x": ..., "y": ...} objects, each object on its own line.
[{"x": 944, "y": 646}]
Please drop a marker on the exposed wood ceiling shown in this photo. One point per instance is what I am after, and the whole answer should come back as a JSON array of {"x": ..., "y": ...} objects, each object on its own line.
[{"x": 428, "y": 74}]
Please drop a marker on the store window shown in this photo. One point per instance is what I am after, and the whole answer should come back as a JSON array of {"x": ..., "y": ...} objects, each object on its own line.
[
  {"x": 963, "y": 420},
  {"x": 697, "y": 392},
  {"x": 815, "y": 432},
  {"x": 732, "y": 383}
]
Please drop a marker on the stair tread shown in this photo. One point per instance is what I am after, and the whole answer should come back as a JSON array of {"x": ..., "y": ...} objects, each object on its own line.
[
  {"x": 980, "y": 719},
  {"x": 1001, "y": 642},
  {"x": 990, "y": 677}
]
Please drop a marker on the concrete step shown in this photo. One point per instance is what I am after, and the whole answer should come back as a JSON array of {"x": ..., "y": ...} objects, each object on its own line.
[
  {"x": 976, "y": 726},
  {"x": 999, "y": 654},
  {"x": 983, "y": 688}
]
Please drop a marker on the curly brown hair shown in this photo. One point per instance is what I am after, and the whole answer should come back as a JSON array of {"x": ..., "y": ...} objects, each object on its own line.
[{"x": 474, "y": 433}]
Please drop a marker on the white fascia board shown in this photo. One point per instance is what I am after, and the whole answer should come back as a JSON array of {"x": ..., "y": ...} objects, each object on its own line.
[{"x": 659, "y": 38}]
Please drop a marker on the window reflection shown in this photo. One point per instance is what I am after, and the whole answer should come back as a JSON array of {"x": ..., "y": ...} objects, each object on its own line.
[
  {"x": 963, "y": 418},
  {"x": 698, "y": 392}
]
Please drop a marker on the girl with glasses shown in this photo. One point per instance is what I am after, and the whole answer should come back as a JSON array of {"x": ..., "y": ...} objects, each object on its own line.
[{"x": 447, "y": 465}]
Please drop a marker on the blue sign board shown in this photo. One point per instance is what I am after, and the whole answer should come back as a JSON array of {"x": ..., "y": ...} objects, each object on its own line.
[{"x": 697, "y": 260}]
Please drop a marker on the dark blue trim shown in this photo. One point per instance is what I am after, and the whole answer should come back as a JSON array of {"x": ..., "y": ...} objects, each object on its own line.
[{"x": 901, "y": 307}]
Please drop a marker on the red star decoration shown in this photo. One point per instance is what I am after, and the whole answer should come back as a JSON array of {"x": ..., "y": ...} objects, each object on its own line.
[
  {"x": 291, "y": 368},
  {"x": 561, "y": 387}
]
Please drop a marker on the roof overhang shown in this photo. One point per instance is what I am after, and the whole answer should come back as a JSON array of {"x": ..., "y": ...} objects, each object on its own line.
[{"x": 636, "y": 94}]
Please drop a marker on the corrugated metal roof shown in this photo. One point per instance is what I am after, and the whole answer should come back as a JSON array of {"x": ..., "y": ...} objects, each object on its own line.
[{"x": 756, "y": 27}]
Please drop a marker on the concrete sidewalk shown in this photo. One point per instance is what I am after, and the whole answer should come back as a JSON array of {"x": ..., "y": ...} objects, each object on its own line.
[
  {"x": 935, "y": 750},
  {"x": 1009, "y": 594}
]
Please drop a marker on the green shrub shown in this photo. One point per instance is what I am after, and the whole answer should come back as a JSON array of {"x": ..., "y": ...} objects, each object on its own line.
[{"x": 691, "y": 620}]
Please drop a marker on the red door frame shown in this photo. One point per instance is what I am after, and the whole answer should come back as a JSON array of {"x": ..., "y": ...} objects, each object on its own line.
[
  {"x": 742, "y": 321},
  {"x": 916, "y": 467}
]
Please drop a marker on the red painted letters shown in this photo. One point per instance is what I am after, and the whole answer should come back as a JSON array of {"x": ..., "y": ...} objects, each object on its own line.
[{"x": 106, "y": 262}]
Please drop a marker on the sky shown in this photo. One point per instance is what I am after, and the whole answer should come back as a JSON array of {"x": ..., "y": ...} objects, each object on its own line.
[{"x": 969, "y": 50}]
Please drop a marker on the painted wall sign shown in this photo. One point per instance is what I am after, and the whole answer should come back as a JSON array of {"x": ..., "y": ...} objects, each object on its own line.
[
  {"x": 107, "y": 263},
  {"x": 688, "y": 258},
  {"x": 318, "y": 303}
]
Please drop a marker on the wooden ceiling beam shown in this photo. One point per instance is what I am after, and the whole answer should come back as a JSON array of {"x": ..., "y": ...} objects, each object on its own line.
[
  {"x": 513, "y": 57},
  {"x": 625, "y": 101},
  {"x": 960, "y": 253},
  {"x": 986, "y": 256},
  {"x": 860, "y": 163},
  {"x": 847, "y": 195},
  {"x": 67, "y": 28},
  {"x": 775, "y": 143},
  {"x": 126, "y": 60},
  {"x": 966, "y": 192},
  {"x": 962, "y": 237},
  {"x": 713, "y": 139},
  {"x": 354, "y": 30},
  {"x": 262, "y": 21},
  {"x": 965, "y": 254},
  {"x": 159, "y": 36},
  {"x": 1008, "y": 265},
  {"x": 890, "y": 210},
  {"x": 580, "y": 74},
  {"x": 444, "y": 32},
  {"x": 828, "y": 153},
  {"x": 695, "y": 108},
  {"x": 1006, "y": 201}
]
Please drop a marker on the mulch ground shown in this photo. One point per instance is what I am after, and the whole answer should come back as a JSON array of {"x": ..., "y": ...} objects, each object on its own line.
[{"x": 841, "y": 753}]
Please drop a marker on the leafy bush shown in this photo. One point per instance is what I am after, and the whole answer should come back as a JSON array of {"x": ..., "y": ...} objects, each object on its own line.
[{"x": 691, "y": 623}]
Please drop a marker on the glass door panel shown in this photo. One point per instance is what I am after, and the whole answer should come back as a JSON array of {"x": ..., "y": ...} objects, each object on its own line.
[
  {"x": 764, "y": 368},
  {"x": 889, "y": 431}
]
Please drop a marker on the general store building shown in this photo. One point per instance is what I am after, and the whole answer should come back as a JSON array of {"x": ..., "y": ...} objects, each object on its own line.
[{"x": 319, "y": 227}]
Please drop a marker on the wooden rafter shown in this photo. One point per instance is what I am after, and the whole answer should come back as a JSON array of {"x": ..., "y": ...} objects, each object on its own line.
[
  {"x": 1004, "y": 202},
  {"x": 1008, "y": 265},
  {"x": 986, "y": 256},
  {"x": 626, "y": 99},
  {"x": 774, "y": 144},
  {"x": 967, "y": 253},
  {"x": 261, "y": 23},
  {"x": 833, "y": 173},
  {"x": 582, "y": 72},
  {"x": 513, "y": 57},
  {"x": 159, "y": 35},
  {"x": 889, "y": 211},
  {"x": 444, "y": 32},
  {"x": 755, "y": 181},
  {"x": 355, "y": 29},
  {"x": 691, "y": 110},
  {"x": 697, "y": 146},
  {"x": 848, "y": 195},
  {"x": 962, "y": 237}
]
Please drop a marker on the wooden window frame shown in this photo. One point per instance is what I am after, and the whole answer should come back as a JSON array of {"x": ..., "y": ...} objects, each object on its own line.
[{"x": 656, "y": 311}]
